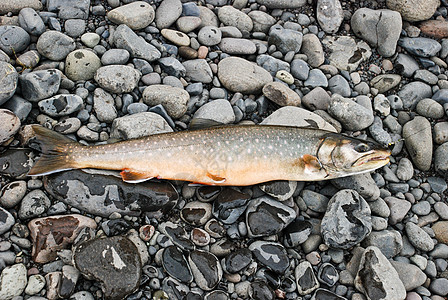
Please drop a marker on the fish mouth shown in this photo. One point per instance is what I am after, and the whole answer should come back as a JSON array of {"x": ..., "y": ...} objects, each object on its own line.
[{"x": 375, "y": 159}]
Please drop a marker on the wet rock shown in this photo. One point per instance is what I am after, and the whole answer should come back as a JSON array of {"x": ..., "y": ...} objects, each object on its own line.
[
  {"x": 259, "y": 289},
  {"x": 323, "y": 294},
  {"x": 305, "y": 278},
  {"x": 60, "y": 105},
  {"x": 418, "y": 139},
  {"x": 415, "y": 10},
  {"x": 206, "y": 269},
  {"x": 328, "y": 274},
  {"x": 272, "y": 255},
  {"x": 55, "y": 45},
  {"x": 347, "y": 220},
  {"x": 50, "y": 234},
  {"x": 137, "y": 15},
  {"x": 177, "y": 235},
  {"x": 377, "y": 278},
  {"x": 280, "y": 190},
  {"x": 229, "y": 205},
  {"x": 13, "y": 39},
  {"x": 13, "y": 281},
  {"x": 281, "y": 94},
  {"x": 196, "y": 213},
  {"x": 296, "y": 233},
  {"x": 15, "y": 162},
  {"x": 265, "y": 216},
  {"x": 237, "y": 260},
  {"x": 175, "y": 264},
  {"x": 33, "y": 204},
  {"x": 113, "y": 261},
  {"x": 345, "y": 53},
  {"x": 125, "y": 38},
  {"x": 329, "y": 15},
  {"x": 99, "y": 194},
  {"x": 8, "y": 82},
  {"x": 240, "y": 75},
  {"x": 40, "y": 84},
  {"x": 10, "y": 124},
  {"x": 380, "y": 28},
  {"x": 117, "y": 79}
]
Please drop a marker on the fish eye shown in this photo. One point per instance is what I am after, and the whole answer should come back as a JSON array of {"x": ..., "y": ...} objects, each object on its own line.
[{"x": 362, "y": 148}]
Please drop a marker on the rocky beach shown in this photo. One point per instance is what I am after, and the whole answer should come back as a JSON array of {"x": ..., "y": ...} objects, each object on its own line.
[{"x": 104, "y": 71}]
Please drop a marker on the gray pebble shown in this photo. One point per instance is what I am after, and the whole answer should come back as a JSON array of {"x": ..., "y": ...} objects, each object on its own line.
[
  {"x": 41, "y": 84},
  {"x": 405, "y": 169},
  {"x": 406, "y": 65},
  {"x": 60, "y": 105},
  {"x": 13, "y": 39},
  {"x": 209, "y": 36},
  {"x": 339, "y": 85},
  {"x": 418, "y": 140},
  {"x": 126, "y": 38},
  {"x": 167, "y": 13},
  {"x": 8, "y": 82},
  {"x": 420, "y": 46},
  {"x": 430, "y": 108},
  {"x": 33, "y": 204},
  {"x": 30, "y": 20},
  {"x": 117, "y": 78},
  {"x": 55, "y": 45},
  {"x": 352, "y": 115},
  {"x": 285, "y": 40},
  {"x": 418, "y": 237},
  {"x": 75, "y": 27}
]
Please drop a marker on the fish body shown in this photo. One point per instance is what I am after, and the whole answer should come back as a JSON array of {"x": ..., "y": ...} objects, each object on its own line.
[{"x": 232, "y": 155}]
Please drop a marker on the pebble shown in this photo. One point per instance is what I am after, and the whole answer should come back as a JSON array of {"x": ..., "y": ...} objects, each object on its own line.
[
  {"x": 125, "y": 38},
  {"x": 418, "y": 237},
  {"x": 33, "y": 204},
  {"x": 329, "y": 15},
  {"x": 352, "y": 115},
  {"x": 281, "y": 94},
  {"x": 236, "y": 46},
  {"x": 115, "y": 57},
  {"x": 60, "y": 105},
  {"x": 40, "y": 84},
  {"x": 209, "y": 35},
  {"x": 12, "y": 193},
  {"x": 13, "y": 39},
  {"x": 423, "y": 47},
  {"x": 316, "y": 78},
  {"x": 81, "y": 65},
  {"x": 35, "y": 284},
  {"x": 14, "y": 280},
  {"x": 117, "y": 79},
  {"x": 415, "y": 10},
  {"x": 55, "y": 45},
  {"x": 137, "y": 15},
  {"x": 419, "y": 145},
  {"x": 173, "y": 99},
  {"x": 187, "y": 24},
  {"x": 198, "y": 70},
  {"x": 385, "y": 82},
  {"x": 342, "y": 51},
  {"x": 282, "y": 3},
  {"x": 440, "y": 231},
  {"x": 306, "y": 280},
  {"x": 285, "y": 40},
  {"x": 261, "y": 21},
  {"x": 176, "y": 37},
  {"x": 31, "y": 21},
  {"x": 196, "y": 213},
  {"x": 272, "y": 255},
  {"x": 231, "y": 16},
  {"x": 10, "y": 125},
  {"x": 176, "y": 265},
  {"x": 104, "y": 106},
  {"x": 218, "y": 110},
  {"x": 206, "y": 269},
  {"x": 167, "y": 13}
]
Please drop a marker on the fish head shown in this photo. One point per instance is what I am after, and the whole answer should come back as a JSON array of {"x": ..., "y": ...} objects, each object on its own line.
[{"x": 342, "y": 156}]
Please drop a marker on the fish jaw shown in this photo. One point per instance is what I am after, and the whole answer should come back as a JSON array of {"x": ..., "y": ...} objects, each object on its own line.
[{"x": 372, "y": 161}]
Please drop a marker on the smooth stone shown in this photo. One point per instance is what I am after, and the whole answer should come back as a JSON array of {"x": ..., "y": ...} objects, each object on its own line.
[
  {"x": 266, "y": 216},
  {"x": 231, "y": 16},
  {"x": 38, "y": 85},
  {"x": 426, "y": 76},
  {"x": 206, "y": 269},
  {"x": 172, "y": 66},
  {"x": 315, "y": 201},
  {"x": 317, "y": 99},
  {"x": 81, "y": 64},
  {"x": 10, "y": 125},
  {"x": 176, "y": 265},
  {"x": 300, "y": 69},
  {"x": 14, "y": 6},
  {"x": 413, "y": 92},
  {"x": 430, "y": 108},
  {"x": 346, "y": 221},
  {"x": 282, "y": 3},
  {"x": 35, "y": 284},
  {"x": 381, "y": 105},
  {"x": 270, "y": 254},
  {"x": 406, "y": 65},
  {"x": 316, "y": 78},
  {"x": 209, "y": 35},
  {"x": 240, "y": 75},
  {"x": 441, "y": 159},
  {"x": 281, "y": 190},
  {"x": 177, "y": 235},
  {"x": 219, "y": 110},
  {"x": 31, "y": 21},
  {"x": 137, "y": 15},
  {"x": 115, "y": 57},
  {"x": 68, "y": 9},
  {"x": 312, "y": 48},
  {"x": 440, "y": 229},
  {"x": 286, "y": 40},
  {"x": 30, "y": 58},
  {"x": 414, "y": 10},
  {"x": 272, "y": 64},
  {"x": 352, "y": 115},
  {"x": 229, "y": 205},
  {"x": 15, "y": 162},
  {"x": 173, "y": 99},
  {"x": 67, "y": 126},
  {"x": 187, "y": 24},
  {"x": 208, "y": 17},
  {"x": 420, "y": 46},
  {"x": 296, "y": 233},
  {"x": 385, "y": 82},
  {"x": 12, "y": 193},
  {"x": 362, "y": 183},
  {"x": 281, "y": 94},
  {"x": 167, "y": 13},
  {"x": 114, "y": 261},
  {"x": 6, "y": 220},
  {"x": 261, "y": 20},
  {"x": 13, "y": 281},
  {"x": 418, "y": 139},
  {"x": 198, "y": 70},
  {"x": 434, "y": 28},
  {"x": 405, "y": 169},
  {"x": 33, "y": 204},
  {"x": 377, "y": 278},
  {"x": 234, "y": 46},
  {"x": 345, "y": 53},
  {"x": 13, "y": 39},
  {"x": 306, "y": 280},
  {"x": 61, "y": 105},
  {"x": 398, "y": 209},
  {"x": 380, "y": 28},
  {"x": 76, "y": 27},
  {"x": 55, "y": 45},
  {"x": 339, "y": 85},
  {"x": 329, "y": 15},
  {"x": 439, "y": 286},
  {"x": 125, "y": 38},
  {"x": 296, "y": 116},
  {"x": 176, "y": 37},
  {"x": 418, "y": 237},
  {"x": 196, "y": 213},
  {"x": 117, "y": 79},
  {"x": 104, "y": 106}
]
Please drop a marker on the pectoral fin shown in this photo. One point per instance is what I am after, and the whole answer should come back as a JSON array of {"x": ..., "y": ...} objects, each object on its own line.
[
  {"x": 132, "y": 176},
  {"x": 312, "y": 164}
]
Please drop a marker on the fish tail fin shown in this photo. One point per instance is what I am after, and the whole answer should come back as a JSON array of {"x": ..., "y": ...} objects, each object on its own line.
[{"x": 56, "y": 152}]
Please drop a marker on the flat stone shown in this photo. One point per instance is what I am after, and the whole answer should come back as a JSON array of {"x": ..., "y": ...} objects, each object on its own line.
[
  {"x": 55, "y": 45},
  {"x": 104, "y": 106},
  {"x": 352, "y": 115},
  {"x": 33, "y": 204},
  {"x": 240, "y": 75},
  {"x": 377, "y": 278},
  {"x": 272, "y": 255},
  {"x": 380, "y": 28},
  {"x": 282, "y": 3},
  {"x": 198, "y": 70},
  {"x": 13, "y": 39},
  {"x": 219, "y": 110},
  {"x": 413, "y": 92},
  {"x": 70, "y": 9},
  {"x": 115, "y": 57},
  {"x": 81, "y": 64},
  {"x": 113, "y": 261},
  {"x": 329, "y": 15},
  {"x": 14, "y": 6},
  {"x": 434, "y": 28},
  {"x": 15, "y": 162},
  {"x": 206, "y": 269},
  {"x": 385, "y": 82},
  {"x": 101, "y": 195},
  {"x": 137, "y": 15},
  {"x": 187, "y": 24},
  {"x": 281, "y": 94},
  {"x": 418, "y": 237},
  {"x": 312, "y": 48},
  {"x": 345, "y": 53},
  {"x": 231, "y": 16},
  {"x": 31, "y": 21},
  {"x": 51, "y": 234},
  {"x": 176, "y": 265},
  {"x": 139, "y": 125},
  {"x": 125, "y": 38},
  {"x": 235, "y": 46},
  {"x": 261, "y": 20},
  {"x": 60, "y": 105},
  {"x": 167, "y": 13},
  {"x": 418, "y": 139},
  {"x": 117, "y": 79},
  {"x": 40, "y": 84},
  {"x": 285, "y": 40},
  {"x": 362, "y": 183},
  {"x": 12, "y": 193},
  {"x": 209, "y": 35},
  {"x": 347, "y": 220},
  {"x": 423, "y": 47},
  {"x": 173, "y": 99},
  {"x": 430, "y": 108},
  {"x": 176, "y": 37}
]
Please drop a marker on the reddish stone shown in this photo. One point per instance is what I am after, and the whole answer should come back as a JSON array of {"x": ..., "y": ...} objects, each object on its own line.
[
  {"x": 51, "y": 234},
  {"x": 435, "y": 28},
  {"x": 202, "y": 52}
]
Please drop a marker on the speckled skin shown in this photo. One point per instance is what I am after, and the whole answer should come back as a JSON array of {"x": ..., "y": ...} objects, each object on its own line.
[{"x": 232, "y": 155}]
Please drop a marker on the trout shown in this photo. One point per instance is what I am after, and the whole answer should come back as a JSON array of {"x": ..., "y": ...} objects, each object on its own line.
[{"x": 227, "y": 155}]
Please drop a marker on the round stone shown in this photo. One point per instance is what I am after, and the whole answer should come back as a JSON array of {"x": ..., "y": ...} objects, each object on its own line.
[
  {"x": 13, "y": 39},
  {"x": 55, "y": 45},
  {"x": 176, "y": 37},
  {"x": 81, "y": 64},
  {"x": 117, "y": 79},
  {"x": 209, "y": 35},
  {"x": 137, "y": 15},
  {"x": 173, "y": 99}
]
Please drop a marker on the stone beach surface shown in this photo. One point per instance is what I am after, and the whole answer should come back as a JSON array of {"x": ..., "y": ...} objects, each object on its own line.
[{"x": 103, "y": 71}]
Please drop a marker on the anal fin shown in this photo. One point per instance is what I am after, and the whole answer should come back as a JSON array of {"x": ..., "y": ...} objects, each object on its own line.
[{"x": 133, "y": 176}]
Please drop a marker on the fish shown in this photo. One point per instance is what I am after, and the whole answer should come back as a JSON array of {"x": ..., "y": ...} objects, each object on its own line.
[{"x": 238, "y": 155}]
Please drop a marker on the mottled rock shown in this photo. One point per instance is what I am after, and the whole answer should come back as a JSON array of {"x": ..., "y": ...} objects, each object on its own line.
[
  {"x": 137, "y": 15},
  {"x": 420, "y": 46},
  {"x": 13, "y": 281},
  {"x": 418, "y": 237},
  {"x": 40, "y": 84},
  {"x": 8, "y": 81},
  {"x": 329, "y": 15},
  {"x": 176, "y": 265},
  {"x": 418, "y": 139},
  {"x": 281, "y": 94},
  {"x": 55, "y": 45},
  {"x": 9, "y": 125},
  {"x": 219, "y": 110},
  {"x": 206, "y": 269},
  {"x": 414, "y": 10},
  {"x": 285, "y": 40},
  {"x": 117, "y": 79},
  {"x": 81, "y": 64},
  {"x": 104, "y": 106},
  {"x": 352, "y": 115},
  {"x": 125, "y": 38},
  {"x": 13, "y": 39},
  {"x": 272, "y": 255},
  {"x": 33, "y": 204},
  {"x": 345, "y": 53},
  {"x": 60, "y": 105},
  {"x": 173, "y": 99},
  {"x": 306, "y": 280},
  {"x": 385, "y": 82}
]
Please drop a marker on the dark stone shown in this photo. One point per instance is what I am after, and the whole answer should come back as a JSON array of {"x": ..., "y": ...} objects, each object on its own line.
[
  {"x": 272, "y": 255},
  {"x": 115, "y": 227},
  {"x": 230, "y": 205},
  {"x": 114, "y": 261},
  {"x": 177, "y": 235},
  {"x": 328, "y": 274},
  {"x": 323, "y": 294},
  {"x": 238, "y": 260},
  {"x": 206, "y": 269},
  {"x": 102, "y": 195},
  {"x": 208, "y": 193},
  {"x": 176, "y": 265},
  {"x": 259, "y": 290},
  {"x": 15, "y": 162},
  {"x": 296, "y": 233}
]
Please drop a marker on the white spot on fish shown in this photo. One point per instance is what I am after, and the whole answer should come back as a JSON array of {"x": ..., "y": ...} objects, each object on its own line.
[
  {"x": 257, "y": 140},
  {"x": 249, "y": 150},
  {"x": 270, "y": 147}
]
